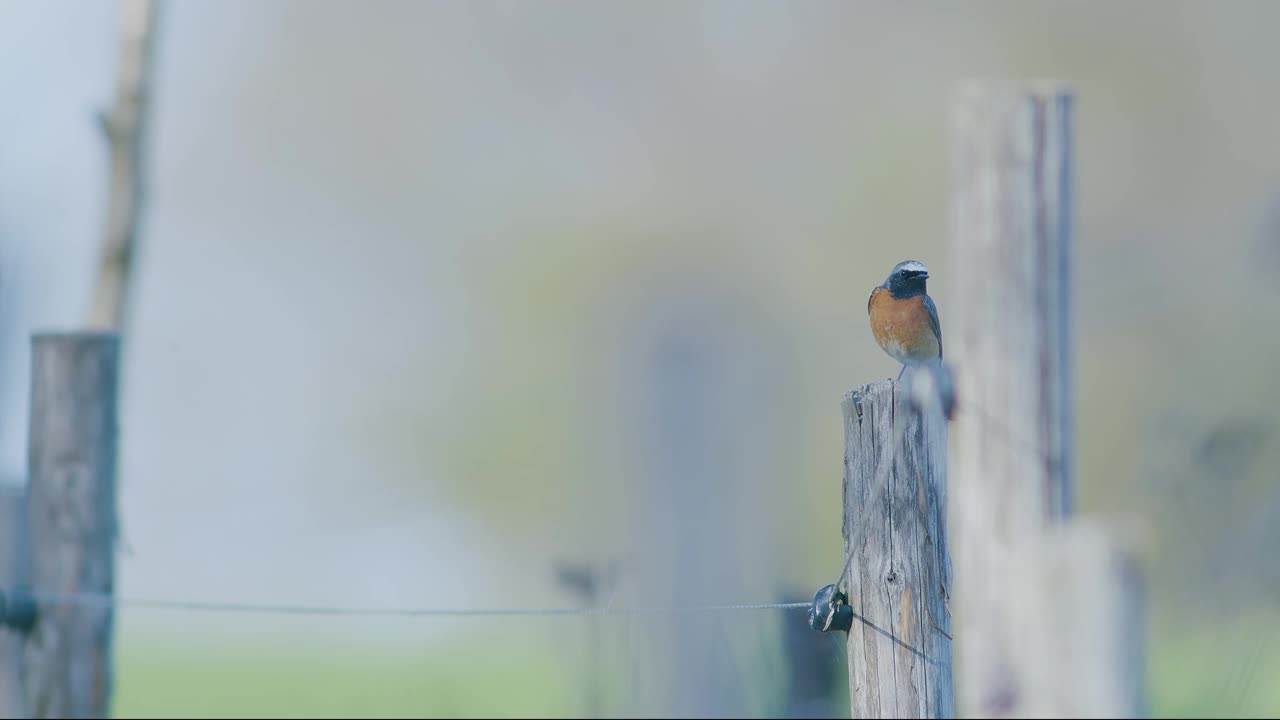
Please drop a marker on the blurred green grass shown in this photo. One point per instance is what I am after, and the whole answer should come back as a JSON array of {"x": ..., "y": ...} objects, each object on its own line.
[
  {"x": 459, "y": 680},
  {"x": 1203, "y": 666},
  {"x": 1198, "y": 666},
  {"x": 208, "y": 665}
]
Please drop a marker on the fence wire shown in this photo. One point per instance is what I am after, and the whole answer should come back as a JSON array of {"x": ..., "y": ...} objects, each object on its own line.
[{"x": 107, "y": 600}]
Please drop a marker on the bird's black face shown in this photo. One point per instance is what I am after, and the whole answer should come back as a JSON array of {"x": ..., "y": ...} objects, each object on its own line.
[{"x": 907, "y": 279}]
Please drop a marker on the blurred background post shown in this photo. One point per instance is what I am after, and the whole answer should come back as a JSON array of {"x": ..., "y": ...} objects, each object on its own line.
[{"x": 1048, "y": 610}]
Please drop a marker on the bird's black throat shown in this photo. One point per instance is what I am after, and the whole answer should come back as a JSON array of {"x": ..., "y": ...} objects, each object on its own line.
[{"x": 904, "y": 288}]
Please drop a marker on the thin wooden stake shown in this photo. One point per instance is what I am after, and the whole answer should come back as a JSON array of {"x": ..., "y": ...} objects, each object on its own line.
[{"x": 125, "y": 128}]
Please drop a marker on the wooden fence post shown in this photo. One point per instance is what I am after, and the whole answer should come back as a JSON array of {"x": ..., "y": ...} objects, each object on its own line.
[
  {"x": 1008, "y": 330},
  {"x": 72, "y": 522},
  {"x": 899, "y": 644}
]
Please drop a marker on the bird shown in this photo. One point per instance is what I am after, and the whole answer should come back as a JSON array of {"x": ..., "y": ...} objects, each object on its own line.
[{"x": 903, "y": 317}]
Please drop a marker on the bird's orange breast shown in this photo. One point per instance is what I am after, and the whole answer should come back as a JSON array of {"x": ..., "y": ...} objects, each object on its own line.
[{"x": 902, "y": 327}]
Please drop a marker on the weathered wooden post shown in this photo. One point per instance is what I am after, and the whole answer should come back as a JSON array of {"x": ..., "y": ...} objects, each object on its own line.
[
  {"x": 71, "y": 523},
  {"x": 1009, "y": 340},
  {"x": 899, "y": 645}
]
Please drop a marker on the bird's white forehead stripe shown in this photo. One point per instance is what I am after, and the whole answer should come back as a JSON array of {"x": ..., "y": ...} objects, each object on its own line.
[{"x": 914, "y": 266}]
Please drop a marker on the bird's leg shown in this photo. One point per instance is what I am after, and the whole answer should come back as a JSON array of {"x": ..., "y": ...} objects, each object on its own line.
[{"x": 904, "y": 369}]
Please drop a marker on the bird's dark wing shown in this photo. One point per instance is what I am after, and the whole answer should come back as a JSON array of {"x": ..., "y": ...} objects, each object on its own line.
[{"x": 933, "y": 320}]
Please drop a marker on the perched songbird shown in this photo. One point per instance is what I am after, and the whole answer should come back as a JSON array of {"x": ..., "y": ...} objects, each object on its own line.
[{"x": 903, "y": 318}]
